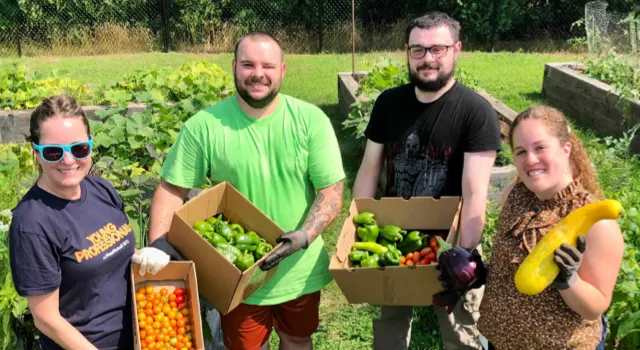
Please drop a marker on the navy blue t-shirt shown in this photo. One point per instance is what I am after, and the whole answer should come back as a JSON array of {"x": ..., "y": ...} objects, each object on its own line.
[{"x": 83, "y": 248}]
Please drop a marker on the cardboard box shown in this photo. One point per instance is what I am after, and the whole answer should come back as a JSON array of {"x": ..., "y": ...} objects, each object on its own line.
[
  {"x": 394, "y": 285},
  {"x": 177, "y": 274},
  {"x": 221, "y": 283}
]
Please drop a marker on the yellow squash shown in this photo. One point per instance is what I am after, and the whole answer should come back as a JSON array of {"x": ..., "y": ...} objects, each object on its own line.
[{"x": 539, "y": 270}]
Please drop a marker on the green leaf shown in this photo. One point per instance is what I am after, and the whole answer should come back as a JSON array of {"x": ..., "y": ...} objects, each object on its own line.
[
  {"x": 130, "y": 192},
  {"x": 103, "y": 140},
  {"x": 631, "y": 324}
]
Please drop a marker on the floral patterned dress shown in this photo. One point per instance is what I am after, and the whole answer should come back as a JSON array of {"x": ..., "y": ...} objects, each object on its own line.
[{"x": 511, "y": 320}]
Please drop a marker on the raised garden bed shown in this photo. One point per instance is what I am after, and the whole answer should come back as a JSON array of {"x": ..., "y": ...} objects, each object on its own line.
[
  {"x": 590, "y": 101},
  {"x": 14, "y": 124},
  {"x": 348, "y": 84}
]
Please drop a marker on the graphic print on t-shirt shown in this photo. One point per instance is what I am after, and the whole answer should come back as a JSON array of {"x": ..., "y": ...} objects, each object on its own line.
[
  {"x": 102, "y": 240},
  {"x": 416, "y": 169}
]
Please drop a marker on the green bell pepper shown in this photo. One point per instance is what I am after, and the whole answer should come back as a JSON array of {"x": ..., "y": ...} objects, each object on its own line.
[
  {"x": 411, "y": 243},
  {"x": 230, "y": 252},
  {"x": 372, "y": 261},
  {"x": 262, "y": 250},
  {"x": 244, "y": 261},
  {"x": 245, "y": 238},
  {"x": 372, "y": 247},
  {"x": 212, "y": 221},
  {"x": 236, "y": 228},
  {"x": 368, "y": 233},
  {"x": 215, "y": 239},
  {"x": 392, "y": 233},
  {"x": 357, "y": 256},
  {"x": 364, "y": 218},
  {"x": 391, "y": 258},
  {"x": 201, "y": 225},
  {"x": 224, "y": 230},
  {"x": 385, "y": 243}
]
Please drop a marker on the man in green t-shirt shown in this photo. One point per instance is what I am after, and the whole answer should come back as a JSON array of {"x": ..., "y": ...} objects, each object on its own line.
[{"x": 283, "y": 155}]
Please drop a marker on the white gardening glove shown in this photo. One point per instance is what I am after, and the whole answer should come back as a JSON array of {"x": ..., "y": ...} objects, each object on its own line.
[{"x": 150, "y": 259}]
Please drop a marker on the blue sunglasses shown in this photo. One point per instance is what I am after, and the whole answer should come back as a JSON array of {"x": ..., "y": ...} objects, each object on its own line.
[{"x": 55, "y": 153}]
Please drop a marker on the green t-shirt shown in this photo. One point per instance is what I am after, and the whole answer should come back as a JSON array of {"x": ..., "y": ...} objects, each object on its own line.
[{"x": 277, "y": 162}]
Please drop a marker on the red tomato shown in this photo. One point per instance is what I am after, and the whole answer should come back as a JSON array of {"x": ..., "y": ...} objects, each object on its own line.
[
  {"x": 179, "y": 291},
  {"x": 179, "y": 299}
]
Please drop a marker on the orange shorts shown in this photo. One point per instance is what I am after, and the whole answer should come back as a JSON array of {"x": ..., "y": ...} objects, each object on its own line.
[{"x": 248, "y": 327}]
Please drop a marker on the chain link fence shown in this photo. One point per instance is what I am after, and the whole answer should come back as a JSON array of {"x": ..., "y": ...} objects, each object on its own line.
[
  {"x": 94, "y": 27},
  {"x": 610, "y": 30}
]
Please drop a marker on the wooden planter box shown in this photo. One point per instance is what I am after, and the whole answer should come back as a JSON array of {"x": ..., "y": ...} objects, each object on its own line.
[
  {"x": 588, "y": 100},
  {"x": 500, "y": 176}
]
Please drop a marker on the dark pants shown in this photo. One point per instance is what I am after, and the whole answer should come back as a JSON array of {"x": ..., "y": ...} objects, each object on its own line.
[{"x": 603, "y": 340}]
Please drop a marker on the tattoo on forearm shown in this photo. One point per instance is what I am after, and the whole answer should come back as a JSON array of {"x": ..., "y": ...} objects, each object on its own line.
[{"x": 324, "y": 210}]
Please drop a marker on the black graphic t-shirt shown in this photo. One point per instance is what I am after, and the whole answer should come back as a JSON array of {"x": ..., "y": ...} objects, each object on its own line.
[
  {"x": 83, "y": 248},
  {"x": 424, "y": 143}
]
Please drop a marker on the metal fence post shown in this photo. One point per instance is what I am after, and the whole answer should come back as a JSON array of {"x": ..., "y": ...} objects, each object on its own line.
[
  {"x": 165, "y": 25},
  {"x": 320, "y": 25}
]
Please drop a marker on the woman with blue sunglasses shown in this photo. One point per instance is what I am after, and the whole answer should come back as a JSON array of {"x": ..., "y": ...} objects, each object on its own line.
[{"x": 70, "y": 242}]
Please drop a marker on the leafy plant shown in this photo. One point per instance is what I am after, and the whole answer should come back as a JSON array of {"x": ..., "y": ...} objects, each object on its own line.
[
  {"x": 194, "y": 79},
  {"x": 20, "y": 89},
  {"x": 619, "y": 146},
  {"x": 616, "y": 71},
  {"x": 17, "y": 330}
]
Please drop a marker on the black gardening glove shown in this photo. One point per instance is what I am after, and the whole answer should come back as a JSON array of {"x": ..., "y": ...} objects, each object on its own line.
[
  {"x": 291, "y": 243},
  {"x": 162, "y": 244},
  {"x": 568, "y": 259}
]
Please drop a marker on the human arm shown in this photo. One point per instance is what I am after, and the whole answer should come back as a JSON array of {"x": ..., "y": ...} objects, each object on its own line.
[
  {"x": 475, "y": 187},
  {"x": 324, "y": 210},
  {"x": 368, "y": 175},
  {"x": 184, "y": 168},
  {"x": 47, "y": 319},
  {"x": 166, "y": 200},
  {"x": 590, "y": 294}
]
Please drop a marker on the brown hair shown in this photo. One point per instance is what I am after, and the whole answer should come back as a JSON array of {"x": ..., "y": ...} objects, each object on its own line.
[
  {"x": 256, "y": 35},
  {"x": 62, "y": 105},
  {"x": 557, "y": 125},
  {"x": 433, "y": 20}
]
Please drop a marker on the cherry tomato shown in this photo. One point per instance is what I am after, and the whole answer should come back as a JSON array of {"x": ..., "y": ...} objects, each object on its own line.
[
  {"x": 180, "y": 299},
  {"x": 179, "y": 291},
  {"x": 185, "y": 312},
  {"x": 181, "y": 306},
  {"x": 139, "y": 297},
  {"x": 149, "y": 290}
]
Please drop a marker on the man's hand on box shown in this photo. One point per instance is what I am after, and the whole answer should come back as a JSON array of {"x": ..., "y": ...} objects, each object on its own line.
[
  {"x": 151, "y": 260},
  {"x": 291, "y": 243}
]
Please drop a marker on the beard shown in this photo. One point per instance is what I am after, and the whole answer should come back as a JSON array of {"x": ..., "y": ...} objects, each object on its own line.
[
  {"x": 430, "y": 85},
  {"x": 257, "y": 103}
]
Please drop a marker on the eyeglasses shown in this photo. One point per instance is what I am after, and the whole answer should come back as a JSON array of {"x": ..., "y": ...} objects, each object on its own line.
[
  {"x": 55, "y": 153},
  {"x": 417, "y": 52}
]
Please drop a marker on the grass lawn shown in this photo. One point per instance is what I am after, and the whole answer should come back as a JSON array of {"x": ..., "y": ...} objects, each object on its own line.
[{"x": 514, "y": 78}]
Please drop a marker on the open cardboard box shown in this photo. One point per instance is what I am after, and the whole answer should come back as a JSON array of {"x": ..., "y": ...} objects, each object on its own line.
[
  {"x": 394, "y": 285},
  {"x": 221, "y": 282},
  {"x": 177, "y": 274}
]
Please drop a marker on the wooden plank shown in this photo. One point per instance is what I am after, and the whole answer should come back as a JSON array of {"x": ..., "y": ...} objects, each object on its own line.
[{"x": 504, "y": 112}]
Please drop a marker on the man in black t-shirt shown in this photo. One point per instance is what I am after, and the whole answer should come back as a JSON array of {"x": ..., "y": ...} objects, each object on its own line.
[{"x": 437, "y": 138}]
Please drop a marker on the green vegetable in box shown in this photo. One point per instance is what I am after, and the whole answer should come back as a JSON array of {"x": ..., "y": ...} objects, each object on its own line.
[{"x": 240, "y": 247}]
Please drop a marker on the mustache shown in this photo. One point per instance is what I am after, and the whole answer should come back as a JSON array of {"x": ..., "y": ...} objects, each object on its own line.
[
  {"x": 426, "y": 66},
  {"x": 257, "y": 81}
]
